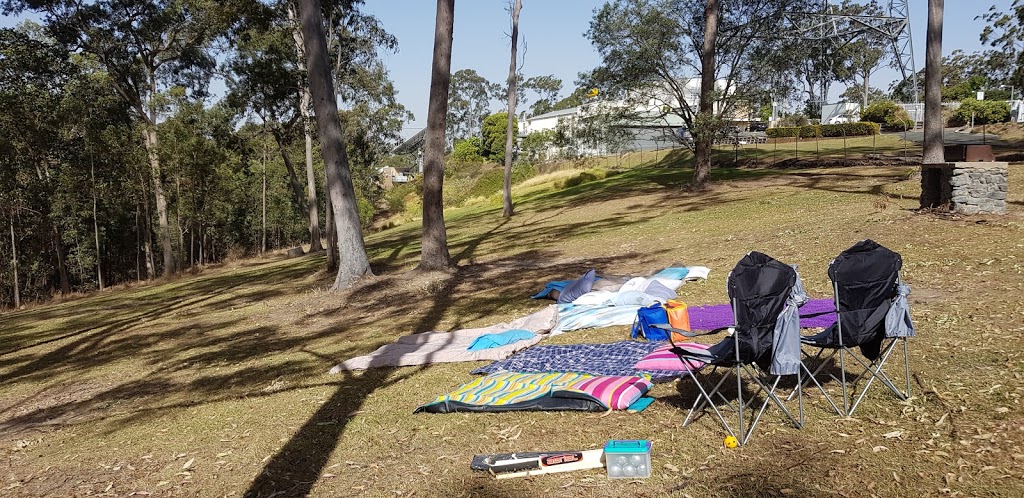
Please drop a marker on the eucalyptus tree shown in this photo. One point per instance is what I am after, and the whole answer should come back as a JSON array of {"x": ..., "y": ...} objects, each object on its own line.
[
  {"x": 434, "y": 253},
  {"x": 353, "y": 262},
  {"x": 146, "y": 46},
  {"x": 510, "y": 128},
  {"x": 546, "y": 89},
  {"x": 933, "y": 146},
  {"x": 653, "y": 50},
  {"x": 469, "y": 102}
]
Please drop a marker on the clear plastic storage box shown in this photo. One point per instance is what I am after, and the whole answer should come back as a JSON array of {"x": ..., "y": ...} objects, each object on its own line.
[{"x": 628, "y": 459}]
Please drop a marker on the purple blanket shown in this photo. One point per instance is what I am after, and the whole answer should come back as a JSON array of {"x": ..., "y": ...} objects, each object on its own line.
[{"x": 715, "y": 316}]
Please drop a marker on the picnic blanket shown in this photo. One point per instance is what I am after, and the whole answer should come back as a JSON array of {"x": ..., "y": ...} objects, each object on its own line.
[
  {"x": 607, "y": 307},
  {"x": 711, "y": 317},
  {"x": 547, "y": 391},
  {"x": 616, "y": 358},
  {"x": 575, "y": 317},
  {"x": 449, "y": 347}
]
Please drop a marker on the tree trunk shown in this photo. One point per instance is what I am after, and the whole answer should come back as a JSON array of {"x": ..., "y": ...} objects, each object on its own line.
[
  {"x": 307, "y": 125},
  {"x": 332, "y": 238},
  {"x": 867, "y": 76},
  {"x": 181, "y": 228},
  {"x": 705, "y": 139},
  {"x": 14, "y": 266},
  {"x": 138, "y": 246},
  {"x": 152, "y": 150},
  {"x": 96, "y": 224},
  {"x": 351, "y": 249},
  {"x": 263, "y": 237},
  {"x": 293, "y": 179},
  {"x": 933, "y": 149},
  {"x": 314, "y": 214},
  {"x": 510, "y": 132},
  {"x": 62, "y": 261},
  {"x": 434, "y": 252},
  {"x": 147, "y": 240}
]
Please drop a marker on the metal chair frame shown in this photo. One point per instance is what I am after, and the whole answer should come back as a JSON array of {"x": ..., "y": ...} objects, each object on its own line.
[
  {"x": 872, "y": 369},
  {"x": 760, "y": 377}
]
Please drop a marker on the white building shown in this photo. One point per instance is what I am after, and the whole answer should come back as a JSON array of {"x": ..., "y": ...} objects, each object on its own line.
[{"x": 650, "y": 122}]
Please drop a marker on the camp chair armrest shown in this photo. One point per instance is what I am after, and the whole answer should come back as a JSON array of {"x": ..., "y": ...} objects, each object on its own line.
[
  {"x": 682, "y": 332},
  {"x": 687, "y": 333},
  {"x": 812, "y": 315}
]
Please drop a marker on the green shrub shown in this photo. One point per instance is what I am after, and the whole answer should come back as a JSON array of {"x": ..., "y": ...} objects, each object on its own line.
[
  {"x": 887, "y": 113},
  {"x": 366, "y": 211},
  {"x": 468, "y": 151},
  {"x": 833, "y": 130},
  {"x": 984, "y": 111},
  {"x": 810, "y": 131},
  {"x": 581, "y": 178}
]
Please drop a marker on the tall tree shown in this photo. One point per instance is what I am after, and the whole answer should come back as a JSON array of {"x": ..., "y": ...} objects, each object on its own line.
[
  {"x": 307, "y": 128},
  {"x": 706, "y": 118},
  {"x": 933, "y": 149},
  {"x": 469, "y": 102},
  {"x": 434, "y": 252},
  {"x": 647, "y": 72},
  {"x": 546, "y": 88},
  {"x": 145, "y": 46},
  {"x": 353, "y": 262},
  {"x": 510, "y": 129}
]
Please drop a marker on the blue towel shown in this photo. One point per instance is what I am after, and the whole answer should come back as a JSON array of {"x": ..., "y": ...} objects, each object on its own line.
[
  {"x": 675, "y": 273},
  {"x": 488, "y": 341},
  {"x": 557, "y": 285}
]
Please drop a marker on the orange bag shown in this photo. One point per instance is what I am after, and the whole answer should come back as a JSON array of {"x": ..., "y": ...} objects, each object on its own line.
[{"x": 678, "y": 317}]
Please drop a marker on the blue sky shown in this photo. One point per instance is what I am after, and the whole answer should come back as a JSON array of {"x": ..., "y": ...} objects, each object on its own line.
[
  {"x": 554, "y": 29},
  {"x": 555, "y": 43}
]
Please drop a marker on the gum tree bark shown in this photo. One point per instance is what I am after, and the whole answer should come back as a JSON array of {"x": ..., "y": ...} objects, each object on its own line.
[
  {"x": 353, "y": 262},
  {"x": 933, "y": 149},
  {"x": 705, "y": 139},
  {"x": 315, "y": 245},
  {"x": 434, "y": 252},
  {"x": 509, "y": 132}
]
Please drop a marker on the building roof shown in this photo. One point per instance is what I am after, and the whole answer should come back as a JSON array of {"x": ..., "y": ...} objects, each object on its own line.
[
  {"x": 412, "y": 143},
  {"x": 555, "y": 114}
]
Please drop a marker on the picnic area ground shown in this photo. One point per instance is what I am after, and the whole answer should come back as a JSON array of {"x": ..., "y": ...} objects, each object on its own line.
[{"x": 217, "y": 384}]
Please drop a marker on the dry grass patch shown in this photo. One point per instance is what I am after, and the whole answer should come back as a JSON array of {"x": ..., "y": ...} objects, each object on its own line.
[{"x": 217, "y": 385}]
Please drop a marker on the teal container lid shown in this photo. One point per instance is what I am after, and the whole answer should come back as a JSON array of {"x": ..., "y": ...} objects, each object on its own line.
[{"x": 627, "y": 446}]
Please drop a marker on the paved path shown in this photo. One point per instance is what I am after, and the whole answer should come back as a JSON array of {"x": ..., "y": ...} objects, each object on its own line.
[{"x": 951, "y": 137}]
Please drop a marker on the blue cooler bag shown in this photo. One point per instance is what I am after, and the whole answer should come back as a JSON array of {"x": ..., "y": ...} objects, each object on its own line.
[{"x": 645, "y": 317}]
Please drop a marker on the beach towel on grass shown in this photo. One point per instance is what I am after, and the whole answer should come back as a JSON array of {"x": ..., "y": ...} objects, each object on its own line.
[
  {"x": 547, "y": 391},
  {"x": 575, "y": 317},
  {"x": 616, "y": 358},
  {"x": 714, "y": 316},
  {"x": 449, "y": 347}
]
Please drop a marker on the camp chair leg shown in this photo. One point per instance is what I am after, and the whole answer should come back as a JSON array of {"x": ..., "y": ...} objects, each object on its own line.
[
  {"x": 842, "y": 373},
  {"x": 875, "y": 370},
  {"x": 811, "y": 379},
  {"x": 704, "y": 394},
  {"x": 739, "y": 398},
  {"x": 906, "y": 365},
  {"x": 771, "y": 397}
]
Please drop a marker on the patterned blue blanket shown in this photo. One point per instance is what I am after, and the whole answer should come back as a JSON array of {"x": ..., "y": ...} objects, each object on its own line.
[{"x": 616, "y": 358}]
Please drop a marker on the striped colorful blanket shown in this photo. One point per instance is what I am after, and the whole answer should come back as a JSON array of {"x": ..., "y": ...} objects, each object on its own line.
[{"x": 511, "y": 391}]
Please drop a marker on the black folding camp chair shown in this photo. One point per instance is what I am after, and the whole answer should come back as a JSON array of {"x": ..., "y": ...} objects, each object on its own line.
[
  {"x": 872, "y": 315},
  {"x": 764, "y": 343}
]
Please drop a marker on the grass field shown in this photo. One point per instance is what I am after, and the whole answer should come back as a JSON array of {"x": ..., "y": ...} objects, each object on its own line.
[{"x": 217, "y": 385}]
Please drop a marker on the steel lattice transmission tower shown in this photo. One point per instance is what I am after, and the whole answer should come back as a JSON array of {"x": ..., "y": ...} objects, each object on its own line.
[{"x": 837, "y": 29}]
